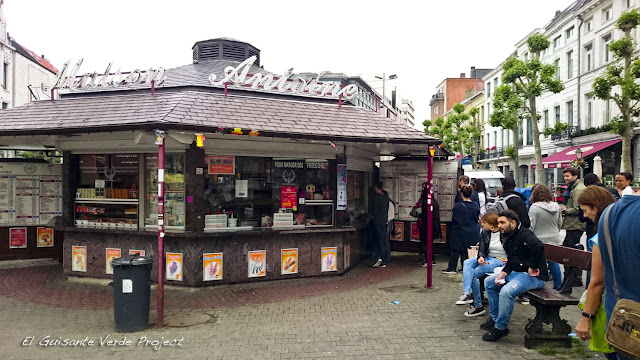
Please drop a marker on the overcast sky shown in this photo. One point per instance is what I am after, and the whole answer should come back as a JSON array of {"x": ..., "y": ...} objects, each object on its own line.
[{"x": 422, "y": 42}]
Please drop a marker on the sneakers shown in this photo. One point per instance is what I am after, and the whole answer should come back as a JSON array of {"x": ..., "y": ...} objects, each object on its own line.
[
  {"x": 378, "y": 263},
  {"x": 488, "y": 325},
  {"x": 383, "y": 265},
  {"x": 475, "y": 311},
  {"x": 523, "y": 300},
  {"x": 465, "y": 299},
  {"x": 449, "y": 271},
  {"x": 424, "y": 264},
  {"x": 433, "y": 262},
  {"x": 495, "y": 334}
]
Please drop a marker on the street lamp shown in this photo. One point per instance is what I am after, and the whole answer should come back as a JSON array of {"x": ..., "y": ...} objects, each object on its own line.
[
  {"x": 579, "y": 157},
  {"x": 384, "y": 81}
]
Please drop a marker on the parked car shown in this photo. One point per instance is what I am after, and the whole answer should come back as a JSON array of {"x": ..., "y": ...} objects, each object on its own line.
[{"x": 491, "y": 179}]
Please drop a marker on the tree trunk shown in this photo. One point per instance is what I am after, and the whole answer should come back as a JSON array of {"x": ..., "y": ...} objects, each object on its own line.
[
  {"x": 626, "y": 118},
  {"x": 539, "y": 175},
  {"x": 516, "y": 171}
]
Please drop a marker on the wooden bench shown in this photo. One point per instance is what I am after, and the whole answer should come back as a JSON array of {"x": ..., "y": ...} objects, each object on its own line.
[{"x": 548, "y": 302}]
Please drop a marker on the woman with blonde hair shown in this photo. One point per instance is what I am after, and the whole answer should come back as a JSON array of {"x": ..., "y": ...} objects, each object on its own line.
[
  {"x": 546, "y": 221},
  {"x": 491, "y": 254}
]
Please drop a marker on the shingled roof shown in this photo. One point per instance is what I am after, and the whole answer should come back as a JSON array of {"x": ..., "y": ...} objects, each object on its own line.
[{"x": 204, "y": 111}]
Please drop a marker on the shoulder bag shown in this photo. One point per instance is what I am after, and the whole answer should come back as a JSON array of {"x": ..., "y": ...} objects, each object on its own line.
[{"x": 623, "y": 331}]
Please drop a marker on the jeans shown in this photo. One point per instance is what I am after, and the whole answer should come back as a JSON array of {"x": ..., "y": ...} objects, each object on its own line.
[
  {"x": 472, "y": 271},
  {"x": 453, "y": 260},
  {"x": 379, "y": 245},
  {"x": 554, "y": 268},
  {"x": 502, "y": 297}
]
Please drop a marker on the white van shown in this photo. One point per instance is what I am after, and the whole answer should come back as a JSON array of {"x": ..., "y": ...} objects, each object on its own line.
[{"x": 491, "y": 178}]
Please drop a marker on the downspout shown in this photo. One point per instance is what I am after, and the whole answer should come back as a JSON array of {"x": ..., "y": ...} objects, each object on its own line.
[{"x": 579, "y": 68}]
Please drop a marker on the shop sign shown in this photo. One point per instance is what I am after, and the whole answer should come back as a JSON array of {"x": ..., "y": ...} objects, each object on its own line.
[
  {"x": 283, "y": 219},
  {"x": 288, "y": 197},
  {"x": 110, "y": 255},
  {"x": 329, "y": 259},
  {"x": 212, "y": 267},
  {"x": 79, "y": 258},
  {"x": 18, "y": 238},
  {"x": 45, "y": 237},
  {"x": 238, "y": 77},
  {"x": 68, "y": 78},
  {"x": 288, "y": 170},
  {"x": 174, "y": 266},
  {"x": 222, "y": 165},
  {"x": 257, "y": 263},
  {"x": 289, "y": 261}
]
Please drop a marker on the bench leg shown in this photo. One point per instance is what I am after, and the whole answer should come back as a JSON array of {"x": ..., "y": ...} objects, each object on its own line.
[{"x": 536, "y": 334}]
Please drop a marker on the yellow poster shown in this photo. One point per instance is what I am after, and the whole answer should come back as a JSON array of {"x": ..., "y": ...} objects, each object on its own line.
[
  {"x": 289, "y": 264},
  {"x": 79, "y": 258},
  {"x": 329, "y": 259},
  {"x": 133, "y": 252},
  {"x": 45, "y": 237},
  {"x": 257, "y": 263},
  {"x": 111, "y": 254},
  {"x": 212, "y": 266},
  {"x": 174, "y": 266}
]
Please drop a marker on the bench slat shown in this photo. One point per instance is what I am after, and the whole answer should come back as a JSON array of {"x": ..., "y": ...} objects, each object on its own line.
[
  {"x": 548, "y": 296},
  {"x": 568, "y": 257}
]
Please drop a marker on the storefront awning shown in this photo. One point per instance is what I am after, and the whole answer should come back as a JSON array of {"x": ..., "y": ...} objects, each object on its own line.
[{"x": 565, "y": 157}]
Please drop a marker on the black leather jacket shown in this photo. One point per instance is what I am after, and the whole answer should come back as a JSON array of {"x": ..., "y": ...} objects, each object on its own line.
[
  {"x": 524, "y": 251},
  {"x": 484, "y": 240}
]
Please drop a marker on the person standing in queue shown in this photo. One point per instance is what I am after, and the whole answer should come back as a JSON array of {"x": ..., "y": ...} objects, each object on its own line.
[
  {"x": 379, "y": 223},
  {"x": 464, "y": 229},
  {"x": 572, "y": 224}
]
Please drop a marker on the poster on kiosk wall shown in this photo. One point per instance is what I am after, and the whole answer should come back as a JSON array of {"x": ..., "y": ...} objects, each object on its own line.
[
  {"x": 18, "y": 238},
  {"x": 111, "y": 254},
  {"x": 45, "y": 237},
  {"x": 174, "y": 266},
  {"x": 289, "y": 261},
  {"x": 79, "y": 258},
  {"x": 212, "y": 266},
  {"x": 257, "y": 263},
  {"x": 329, "y": 259}
]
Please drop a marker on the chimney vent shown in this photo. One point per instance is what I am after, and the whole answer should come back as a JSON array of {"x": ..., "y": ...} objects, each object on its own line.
[{"x": 462, "y": 75}]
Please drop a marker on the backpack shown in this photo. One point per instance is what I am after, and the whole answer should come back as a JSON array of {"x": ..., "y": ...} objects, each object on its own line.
[{"x": 499, "y": 205}]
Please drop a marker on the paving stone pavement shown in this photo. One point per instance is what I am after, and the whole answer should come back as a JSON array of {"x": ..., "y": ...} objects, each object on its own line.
[{"x": 346, "y": 317}]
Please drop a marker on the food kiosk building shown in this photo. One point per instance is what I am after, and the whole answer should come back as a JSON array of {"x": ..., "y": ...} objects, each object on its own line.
[{"x": 277, "y": 189}]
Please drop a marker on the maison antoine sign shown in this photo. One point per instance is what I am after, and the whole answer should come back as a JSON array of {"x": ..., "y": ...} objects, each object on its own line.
[{"x": 237, "y": 76}]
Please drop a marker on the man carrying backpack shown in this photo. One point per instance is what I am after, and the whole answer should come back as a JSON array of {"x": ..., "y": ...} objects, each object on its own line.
[{"x": 512, "y": 200}]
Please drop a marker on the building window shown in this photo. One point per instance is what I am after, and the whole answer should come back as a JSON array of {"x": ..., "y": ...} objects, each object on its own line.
[
  {"x": 629, "y": 3},
  {"x": 5, "y": 75},
  {"x": 436, "y": 110},
  {"x": 606, "y": 40},
  {"x": 568, "y": 34},
  {"x": 495, "y": 84},
  {"x": 529, "y": 132},
  {"x": 570, "y": 113},
  {"x": 526, "y": 56},
  {"x": 488, "y": 89},
  {"x": 606, "y": 116},
  {"x": 546, "y": 119},
  {"x": 589, "y": 26},
  {"x": 488, "y": 143},
  {"x": 588, "y": 58},
  {"x": 556, "y": 43},
  {"x": 557, "y": 64},
  {"x": 607, "y": 14},
  {"x": 589, "y": 115},
  {"x": 556, "y": 113},
  {"x": 569, "y": 64}
]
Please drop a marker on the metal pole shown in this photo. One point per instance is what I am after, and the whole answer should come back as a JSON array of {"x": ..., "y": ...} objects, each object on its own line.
[
  {"x": 160, "y": 321},
  {"x": 384, "y": 80},
  {"x": 429, "y": 220}
]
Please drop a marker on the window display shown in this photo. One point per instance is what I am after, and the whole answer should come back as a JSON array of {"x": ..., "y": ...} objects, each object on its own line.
[
  {"x": 174, "y": 197},
  {"x": 108, "y": 176},
  {"x": 358, "y": 183},
  {"x": 115, "y": 214}
]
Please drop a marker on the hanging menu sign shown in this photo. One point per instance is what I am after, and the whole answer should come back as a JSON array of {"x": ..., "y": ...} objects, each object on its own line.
[{"x": 30, "y": 193}]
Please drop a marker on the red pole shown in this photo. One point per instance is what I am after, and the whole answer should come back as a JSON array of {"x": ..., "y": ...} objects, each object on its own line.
[
  {"x": 153, "y": 87},
  {"x": 52, "y": 94},
  {"x": 160, "y": 321},
  {"x": 340, "y": 101},
  {"x": 429, "y": 221}
]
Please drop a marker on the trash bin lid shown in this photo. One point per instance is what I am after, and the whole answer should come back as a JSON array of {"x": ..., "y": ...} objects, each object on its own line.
[{"x": 131, "y": 260}]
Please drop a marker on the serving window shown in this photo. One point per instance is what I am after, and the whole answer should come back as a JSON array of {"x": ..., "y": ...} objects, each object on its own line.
[{"x": 174, "y": 196}]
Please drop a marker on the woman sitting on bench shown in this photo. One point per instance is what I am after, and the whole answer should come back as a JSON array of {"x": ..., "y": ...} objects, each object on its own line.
[{"x": 491, "y": 255}]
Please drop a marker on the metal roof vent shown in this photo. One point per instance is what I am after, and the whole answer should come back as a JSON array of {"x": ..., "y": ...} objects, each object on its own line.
[{"x": 224, "y": 49}]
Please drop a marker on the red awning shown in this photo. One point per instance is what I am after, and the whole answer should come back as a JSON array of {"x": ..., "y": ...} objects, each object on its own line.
[{"x": 565, "y": 157}]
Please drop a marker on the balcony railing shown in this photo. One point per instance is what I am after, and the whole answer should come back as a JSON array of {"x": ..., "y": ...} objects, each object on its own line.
[
  {"x": 492, "y": 153},
  {"x": 564, "y": 135}
]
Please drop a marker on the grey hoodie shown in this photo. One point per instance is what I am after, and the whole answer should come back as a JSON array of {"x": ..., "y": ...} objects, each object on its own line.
[{"x": 546, "y": 221}]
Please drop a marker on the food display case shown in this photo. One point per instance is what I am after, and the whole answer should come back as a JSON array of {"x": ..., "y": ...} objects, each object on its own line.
[
  {"x": 316, "y": 213},
  {"x": 107, "y": 213}
]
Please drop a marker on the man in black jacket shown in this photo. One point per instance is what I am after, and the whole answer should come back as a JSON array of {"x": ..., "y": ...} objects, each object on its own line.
[
  {"x": 379, "y": 223},
  {"x": 517, "y": 202},
  {"x": 526, "y": 269},
  {"x": 464, "y": 181}
]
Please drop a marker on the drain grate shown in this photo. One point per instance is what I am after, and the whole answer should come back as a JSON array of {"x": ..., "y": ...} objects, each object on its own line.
[{"x": 186, "y": 319}]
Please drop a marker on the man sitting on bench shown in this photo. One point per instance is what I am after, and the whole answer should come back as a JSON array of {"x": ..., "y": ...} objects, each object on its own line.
[{"x": 525, "y": 270}]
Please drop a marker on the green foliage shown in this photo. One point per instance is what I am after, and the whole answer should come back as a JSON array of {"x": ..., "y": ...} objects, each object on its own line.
[
  {"x": 511, "y": 152},
  {"x": 556, "y": 129},
  {"x": 455, "y": 131},
  {"x": 537, "y": 43},
  {"x": 506, "y": 105},
  {"x": 628, "y": 20}
]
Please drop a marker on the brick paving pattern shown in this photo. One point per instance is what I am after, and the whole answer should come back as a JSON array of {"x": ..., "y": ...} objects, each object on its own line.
[{"x": 347, "y": 317}]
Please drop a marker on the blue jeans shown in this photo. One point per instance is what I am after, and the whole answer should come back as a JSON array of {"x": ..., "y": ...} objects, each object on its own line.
[
  {"x": 379, "y": 245},
  {"x": 472, "y": 271},
  {"x": 502, "y": 297},
  {"x": 554, "y": 268}
]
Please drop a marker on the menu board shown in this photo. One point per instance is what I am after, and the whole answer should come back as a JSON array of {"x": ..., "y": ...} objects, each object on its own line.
[{"x": 30, "y": 193}]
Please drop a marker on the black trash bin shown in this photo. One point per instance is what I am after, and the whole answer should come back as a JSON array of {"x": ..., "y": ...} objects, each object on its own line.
[{"x": 131, "y": 288}]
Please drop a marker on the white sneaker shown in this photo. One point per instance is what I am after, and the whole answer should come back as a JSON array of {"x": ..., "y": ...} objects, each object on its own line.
[
  {"x": 465, "y": 299},
  {"x": 378, "y": 263}
]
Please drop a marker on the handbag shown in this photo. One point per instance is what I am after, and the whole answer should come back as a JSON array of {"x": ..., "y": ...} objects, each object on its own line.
[
  {"x": 623, "y": 331},
  {"x": 472, "y": 251},
  {"x": 414, "y": 211}
]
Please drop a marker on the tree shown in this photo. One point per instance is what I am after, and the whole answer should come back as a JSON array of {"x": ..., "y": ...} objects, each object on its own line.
[
  {"x": 455, "y": 132},
  {"x": 618, "y": 83},
  {"x": 475, "y": 135},
  {"x": 529, "y": 79},
  {"x": 507, "y": 108}
]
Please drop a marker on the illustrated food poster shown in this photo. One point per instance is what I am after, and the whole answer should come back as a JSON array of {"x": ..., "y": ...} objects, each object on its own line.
[
  {"x": 110, "y": 255},
  {"x": 212, "y": 266},
  {"x": 18, "y": 238},
  {"x": 398, "y": 233},
  {"x": 133, "y": 252},
  {"x": 30, "y": 193},
  {"x": 257, "y": 263},
  {"x": 415, "y": 232},
  {"x": 45, "y": 237},
  {"x": 79, "y": 258},
  {"x": 329, "y": 259},
  {"x": 289, "y": 262},
  {"x": 174, "y": 266}
]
